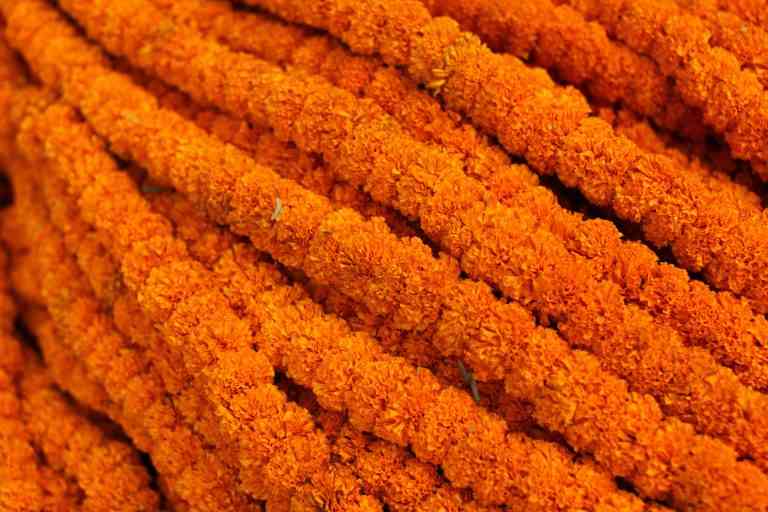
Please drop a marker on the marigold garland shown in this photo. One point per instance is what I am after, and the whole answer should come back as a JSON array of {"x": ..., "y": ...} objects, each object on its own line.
[
  {"x": 681, "y": 378},
  {"x": 550, "y": 127},
  {"x": 150, "y": 419},
  {"x": 219, "y": 363},
  {"x": 130, "y": 318},
  {"x": 107, "y": 470},
  {"x": 747, "y": 42},
  {"x": 690, "y": 308},
  {"x": 751, "y": 10},
  {"x": 25, "y": 484},
  {"x": 66, "y": 369},
  {"x": 679, "y": 42},
  {"x": 560, "y": 39},
  {"x": 266, "y": 149},
  {"x": 421, "y": 389},
  {"x": 179, "y": 127}
]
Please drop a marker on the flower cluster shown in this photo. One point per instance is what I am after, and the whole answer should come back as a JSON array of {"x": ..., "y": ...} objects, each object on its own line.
[
  {"x": 134, "y": 394},
  {"x": 245, "y": 273},
  {"x": 746, "y": 41},
  {"x": 550, "y": 126},
  {"x": 83, "y": 465},
  {"x": 208, "y": 244},
  {"x": 169, "y": 162},
  {"x": 420, "y": 408},
  {"x": 704, "y": 74},
  {"x": 752, "y": 10},
  {"x": 539, "y": 271},
  {"x": 58, "y": 126},
  {"x": 690, "y": 312},
  {"x": 558, "y": 38}
]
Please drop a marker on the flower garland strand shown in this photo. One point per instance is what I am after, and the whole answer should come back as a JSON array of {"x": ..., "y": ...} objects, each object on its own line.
[
  {"x": 680, "y": 377},
  {"x": 550, "y": 126},
  {"x": 516, "y": 450},
  {"x": 132, "y": 322},
  {"x": 715, "y": 321},
  {"x": 405, "y": 484},
  {"x": 69, "y": 373},
  {"x": 750, "y": 10},
  {"x": 108, "y": 471},
  {"x": 176, "y": 127},
  {"x": 558, "y": 38},
  {"x": 291, "y": 163},
  {"x": 150, "y": 420},
  {"x": 746, "y": 41},
  {"x": 679, "y": 42},
  {"x": 711, "y": 159},
  {"x": 24, "y": 482}
]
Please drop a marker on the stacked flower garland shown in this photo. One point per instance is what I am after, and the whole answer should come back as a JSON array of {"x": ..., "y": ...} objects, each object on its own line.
[{"x": 372, "y": 255}]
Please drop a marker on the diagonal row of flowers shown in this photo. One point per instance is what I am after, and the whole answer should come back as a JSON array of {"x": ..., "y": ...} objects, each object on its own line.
[
  {"x": 699, "y": 55},
  {"x": 347, "y": 370},
  {"x": 236, "y": 197},
  {"x": 557, "y": 36},
  {"x": 443, "y": 425},
  {"x": 238, "y": 271},
  {"x": 80, "y": 457},
  {"x": 502, "y": 243},
  {"x": 533, "y": 117},
  {"x": 720, "y": 322},
  {"x": 133, "y": 390}
]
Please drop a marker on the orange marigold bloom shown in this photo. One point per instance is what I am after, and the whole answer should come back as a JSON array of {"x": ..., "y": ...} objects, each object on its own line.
[
  {"x": 550, "y": 126},
  {"x": 579, "y": 52},
  {"x": 34, "y": 413},
  {"x": 160, "y": 158},
  {"x": 732, "y": 99},
  {"x": 308, "y": 235},
  {"x": 136, "y": 396},
  {"x": 379, "y": 376},
  {"x": 719, "y": 322},
  {"x": 751, "y": 10},
  {"x": 746, "y": 41}
]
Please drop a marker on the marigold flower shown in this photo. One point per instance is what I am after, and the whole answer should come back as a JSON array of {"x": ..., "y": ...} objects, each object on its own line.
[
  {"x": 751, "y": 10},
  {"x": 25, "y": 483},
  {"x": 92, "y": 196},
  {"x": 328, "y": 329},
  {"x": 107, "y": 470},
  {"x": 140, "y": 406},
  {"x": 679, "y": 42},
  {"x": 242, "y": 286},
  {"x": 558, "y": 38},
  {"x": 550, "y": 127},
  {"x": 34, "y": 413},
  {"x": 746, "y": 41},
  {"x": 716, "y": 328},
  {"x": 238, "y": 200},
  {"x": 65, "y": 368}
]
